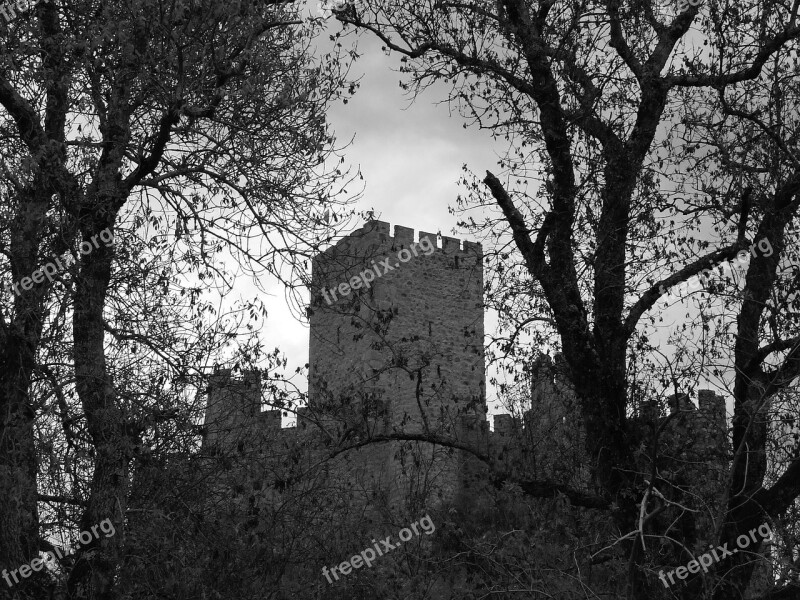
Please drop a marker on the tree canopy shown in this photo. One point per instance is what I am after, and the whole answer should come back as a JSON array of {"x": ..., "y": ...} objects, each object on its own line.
[
  {"x": 195, "y": 135},
  {"x": 647, "y": 142}
]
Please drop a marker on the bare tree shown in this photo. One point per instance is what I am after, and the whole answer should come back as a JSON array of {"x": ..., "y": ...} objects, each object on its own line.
[
  {"x": 196, "y": 122},
  {"x": 657, "y": 141}
]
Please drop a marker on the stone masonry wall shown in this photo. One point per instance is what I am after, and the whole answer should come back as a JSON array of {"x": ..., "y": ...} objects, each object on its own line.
[
  {"x": 406, "y": 347},
  {"x": 405, "y": 354}
]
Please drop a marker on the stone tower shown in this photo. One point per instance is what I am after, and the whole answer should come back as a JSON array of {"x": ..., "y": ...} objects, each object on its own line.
[
  {"x": 397, "y": 342},
  {"x": 233, "y": 409}
]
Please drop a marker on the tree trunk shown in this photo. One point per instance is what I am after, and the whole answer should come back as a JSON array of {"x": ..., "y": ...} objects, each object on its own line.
[
  {"x": 19, "y": 341},
  {"x": 93, "y": 575}
]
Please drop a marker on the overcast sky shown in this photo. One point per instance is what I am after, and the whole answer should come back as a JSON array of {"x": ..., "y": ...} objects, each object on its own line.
[{"x": 411, "y": 157}]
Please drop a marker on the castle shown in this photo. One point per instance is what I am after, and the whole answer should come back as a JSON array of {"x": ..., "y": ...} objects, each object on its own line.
[
  {"x": 401, "y": 361},
  {"x": 396, "y": 427},
  {"x": 402, "y": 355}
]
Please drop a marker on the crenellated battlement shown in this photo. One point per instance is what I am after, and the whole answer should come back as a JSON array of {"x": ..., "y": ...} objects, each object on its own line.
[
  {"x": 422, "y": 314},
  {"x": 375, "y": 236},
  {"x": 548, "y": 440},
  {"x": 234, "y": 416},
  {"x": 711, "y": 411},
  {"x": 528, "y": 445},
  {"x": 225, "y": 378}
]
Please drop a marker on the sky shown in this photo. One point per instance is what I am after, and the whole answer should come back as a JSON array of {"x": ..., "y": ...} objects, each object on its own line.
[{"x": 411, "y": 156}]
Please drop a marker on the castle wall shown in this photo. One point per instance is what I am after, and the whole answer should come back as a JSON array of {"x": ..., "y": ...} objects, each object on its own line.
[
  {"x": 406, "y": 348},
  {"x": 404, "y": 354},
  {"x": 232, "y": 409},
  {"x": 418, "y": 325}
]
